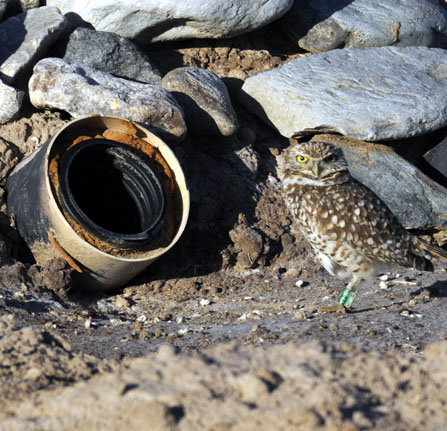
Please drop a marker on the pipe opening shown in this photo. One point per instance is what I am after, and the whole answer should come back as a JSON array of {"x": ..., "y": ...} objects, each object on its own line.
[{"x": 113, "y": 192}]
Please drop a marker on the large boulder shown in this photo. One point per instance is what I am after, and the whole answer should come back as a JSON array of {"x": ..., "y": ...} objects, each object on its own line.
[
  {"x": 322, "y": 25},
  {"x": 25, "y": 38},
  {"x": 82, "y": 91},
  {"x": 204, "y": 99},
  {"x": 110, "y": 53},
  {"x": 161, "y": 20},
  {"x": 10, "y": 103},
  {"x": 371, "y": 94}
]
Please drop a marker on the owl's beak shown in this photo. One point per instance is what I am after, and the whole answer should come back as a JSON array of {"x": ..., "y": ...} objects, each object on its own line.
[{"x": 316, "y": 168}]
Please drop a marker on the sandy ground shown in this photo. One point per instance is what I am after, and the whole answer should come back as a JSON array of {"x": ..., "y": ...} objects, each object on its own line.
[{"x": 222, "y": 333}]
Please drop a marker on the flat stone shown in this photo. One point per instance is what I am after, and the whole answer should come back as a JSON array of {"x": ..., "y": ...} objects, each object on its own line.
[
  {"x": 417, "y": 201},
  {"x": 204, "y": 99},
  {"x": 25, "y": 38},
  {"x": 322, "y": 25},
  {"x": 10, "y": 102},
  {"x": 437, "y": 157},
  {"x": 81, "y": 91},
  {"x": 110, "y": 53},
  {"x": 371, "y": 93},
  {"x": 162, "y": 20}
]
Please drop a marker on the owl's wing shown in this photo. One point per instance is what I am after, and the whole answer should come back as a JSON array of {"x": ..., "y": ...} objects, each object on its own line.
[{"x": 358, "y": 218}]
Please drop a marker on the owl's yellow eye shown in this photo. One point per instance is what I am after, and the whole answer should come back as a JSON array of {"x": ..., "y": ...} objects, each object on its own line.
[
  {"x": 332, "y": 159},
  {"x": 302, "y": 159}
]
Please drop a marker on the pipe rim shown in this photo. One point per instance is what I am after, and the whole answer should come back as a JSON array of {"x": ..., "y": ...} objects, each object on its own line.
[{"x": 139, "y": 181}]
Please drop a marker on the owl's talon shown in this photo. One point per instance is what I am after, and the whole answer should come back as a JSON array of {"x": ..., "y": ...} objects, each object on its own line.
[{"x": 335, "y": 308}]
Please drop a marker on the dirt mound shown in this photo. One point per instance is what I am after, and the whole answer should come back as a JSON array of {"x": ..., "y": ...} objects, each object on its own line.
[
  {"x": 33, "y": 358},
  {"x": 316, "y": 386}
]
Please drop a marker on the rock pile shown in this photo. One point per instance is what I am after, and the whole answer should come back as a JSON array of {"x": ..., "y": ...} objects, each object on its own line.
[{"x": 387, "y": 83}]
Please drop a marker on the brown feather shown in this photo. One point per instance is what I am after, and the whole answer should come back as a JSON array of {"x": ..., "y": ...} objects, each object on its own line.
[{"x": 432, "y": 250}]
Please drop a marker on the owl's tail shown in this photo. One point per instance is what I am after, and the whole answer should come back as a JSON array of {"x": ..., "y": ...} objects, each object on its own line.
[{"x": 431, "y": 250}]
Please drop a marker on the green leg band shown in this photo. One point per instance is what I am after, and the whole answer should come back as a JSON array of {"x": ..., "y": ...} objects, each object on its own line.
[{"x": 347, "y": 298}]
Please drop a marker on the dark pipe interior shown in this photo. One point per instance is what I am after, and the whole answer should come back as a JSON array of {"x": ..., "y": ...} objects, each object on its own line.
[{"x": 113, "y": 191}]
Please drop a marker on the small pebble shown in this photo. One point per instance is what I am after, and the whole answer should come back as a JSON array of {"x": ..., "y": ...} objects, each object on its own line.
[
  {"x": 137, "y": 326},
  {"x": 204, "y": 302},
  {"x": 300, "y": 315},
  {"x": 121, "y": 303},
  {"x": 127, "y": 293},
  {"x": 384, "y": 277},
  {"x": 405, "y": 282},
  {"x": 158, "y": 333},
  {"x": 299, "y": 283},
  {"x": 409, "y": 313},
  {"x": 383, "y": 285},
  {"x": 88, "y": 323},
  {"x": 33, "y": 373}
]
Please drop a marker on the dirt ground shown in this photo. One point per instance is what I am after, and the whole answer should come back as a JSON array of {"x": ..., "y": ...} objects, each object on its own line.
[{"x": 222, "y": 333}]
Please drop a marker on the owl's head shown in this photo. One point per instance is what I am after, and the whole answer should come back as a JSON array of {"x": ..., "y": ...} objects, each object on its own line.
[{"x": 316, "y": 163}]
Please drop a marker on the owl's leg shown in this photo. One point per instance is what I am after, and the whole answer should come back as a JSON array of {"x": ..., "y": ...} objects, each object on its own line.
[
  {"x": 346, "y": 299},
  {"x": 348, "y": 296}
]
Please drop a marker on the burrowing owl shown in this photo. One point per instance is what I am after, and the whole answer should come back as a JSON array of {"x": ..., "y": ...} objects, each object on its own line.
[{"x": 353, "y": 233}]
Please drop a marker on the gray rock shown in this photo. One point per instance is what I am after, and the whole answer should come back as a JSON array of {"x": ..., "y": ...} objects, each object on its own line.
[
  {"x": 10, "y": 102},
  {"x": 29, "y": 4},
  {"x": 110, "y": 53},
  {"x": 81, "y": 90},
  {"x": 321, "y": 25},
  {"x": 204, "y": 99},
  {"x": 162, "y": 20},
  {"x": 416, "y": 200},
  {"x": 25, "y": 38},
  {"x": 437, "y": 157},
  {"x": 371, "y": 94},
  {"x": 3, "y": 5}
]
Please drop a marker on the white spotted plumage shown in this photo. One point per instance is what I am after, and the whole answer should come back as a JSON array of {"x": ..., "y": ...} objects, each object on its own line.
[{"x": 352, "y": 231}]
